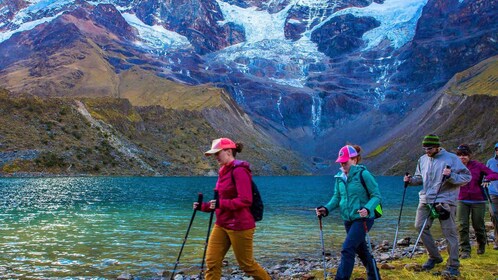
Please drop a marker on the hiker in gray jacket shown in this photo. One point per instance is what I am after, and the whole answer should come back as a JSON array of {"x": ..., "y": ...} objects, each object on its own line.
[{"x": 441, "y": 173}]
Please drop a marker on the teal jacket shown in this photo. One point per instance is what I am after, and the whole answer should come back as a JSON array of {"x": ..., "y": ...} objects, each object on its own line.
[{"x": 350, "y": 195}]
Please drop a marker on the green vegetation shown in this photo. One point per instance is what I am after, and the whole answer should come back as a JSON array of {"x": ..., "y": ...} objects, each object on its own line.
[
  {"x": 14, "y": 166},
  {"x": 121, "y": 139},
  {"x": 58, "y": 138},
  {"x": 49, "y": 160},
  {"x": 379, "y": 150},
  {"x": 479, "y": 267},
  {"x": 480, "y": 79}
]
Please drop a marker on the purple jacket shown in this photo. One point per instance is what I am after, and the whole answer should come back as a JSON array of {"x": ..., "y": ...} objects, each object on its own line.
[{"x": 473, "y": 190}]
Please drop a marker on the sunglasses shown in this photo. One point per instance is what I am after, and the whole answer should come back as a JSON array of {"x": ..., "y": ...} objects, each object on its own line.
[{"x": 428, "y": 148}]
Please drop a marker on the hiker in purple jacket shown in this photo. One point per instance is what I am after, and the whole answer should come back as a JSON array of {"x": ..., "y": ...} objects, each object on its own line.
[{"x": 472, "y": 202}]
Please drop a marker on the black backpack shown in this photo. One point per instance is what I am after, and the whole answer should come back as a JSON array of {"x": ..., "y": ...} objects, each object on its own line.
[{"x": 257, "y": 206}]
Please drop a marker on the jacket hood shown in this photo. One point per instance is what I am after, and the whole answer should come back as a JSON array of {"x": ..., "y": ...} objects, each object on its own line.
[
  {"x": 241, "y": 163},
  {"x": 235, "y": 163}
]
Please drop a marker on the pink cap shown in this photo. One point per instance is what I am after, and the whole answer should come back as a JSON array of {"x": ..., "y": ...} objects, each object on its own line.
[
  {"x": 220, "y": 144},
  {"x": 345, "y": 153}
]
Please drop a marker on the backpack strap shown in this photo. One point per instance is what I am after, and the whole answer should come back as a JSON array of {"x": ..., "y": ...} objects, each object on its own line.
[
  {"x": 231, "y": 172},
  {"x": 233, "y": 169},
  {"x": 363, "y": 183}
]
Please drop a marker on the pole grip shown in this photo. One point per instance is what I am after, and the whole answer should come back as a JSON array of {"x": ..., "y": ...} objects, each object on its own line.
[
  {"x": 446, "y": 177},
  {"x": 217, "y": 198},
  {"x": 406, "y": 183},
  {"x": 199, "y": 201}
]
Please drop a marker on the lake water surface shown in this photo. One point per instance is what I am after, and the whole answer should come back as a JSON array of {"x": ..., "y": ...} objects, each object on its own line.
[{"x": 103, "y": 226}]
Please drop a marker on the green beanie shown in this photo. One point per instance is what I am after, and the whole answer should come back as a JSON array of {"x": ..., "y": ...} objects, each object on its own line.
[{"x": 431, "y": 140}]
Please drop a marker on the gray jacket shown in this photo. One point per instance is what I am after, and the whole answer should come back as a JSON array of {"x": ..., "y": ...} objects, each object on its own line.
[
  {"x": 493, "y": 165},
  {"x": 430, "y": 173}
]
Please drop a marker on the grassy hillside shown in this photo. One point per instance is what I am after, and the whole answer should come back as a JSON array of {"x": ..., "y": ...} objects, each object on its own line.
[
  {"x": 143, "y": 88},
  {"x": 52, "y": 136},
  {"x": 77, "y": 71},
  {"x": 480, "y": 79},
  {"x": 49, "y": 137}
]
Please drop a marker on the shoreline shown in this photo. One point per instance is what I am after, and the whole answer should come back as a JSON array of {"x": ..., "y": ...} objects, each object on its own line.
[
  {"x": 301, "y": 268},
  {"x": 312, "y": 268},
  {"x": 309, "y": 268}
]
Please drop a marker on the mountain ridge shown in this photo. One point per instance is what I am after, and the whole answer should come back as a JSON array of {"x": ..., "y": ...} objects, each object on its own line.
[{"x": 308, "y": 75}]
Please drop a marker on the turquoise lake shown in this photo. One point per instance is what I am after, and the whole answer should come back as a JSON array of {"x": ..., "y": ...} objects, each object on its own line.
[{"x": 100, "y": 227}]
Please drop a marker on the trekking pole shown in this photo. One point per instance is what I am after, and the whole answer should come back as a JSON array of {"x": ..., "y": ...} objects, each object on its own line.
[
  {"x": 374, "y": 263},
  {"x": 428, "y": 216},
  {"x": 399, "y": 217},
  {"x": 492, "y": 206},
  {"x": 201, "y": 274},
  {"x": 323, "y": 247},
  {"x": 199, "y": 201}
]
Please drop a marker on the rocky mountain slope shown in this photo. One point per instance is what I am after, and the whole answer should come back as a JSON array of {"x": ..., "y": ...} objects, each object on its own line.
[
  {"x": 109, "y": 136},
  {"x": 464, "y": 111}
]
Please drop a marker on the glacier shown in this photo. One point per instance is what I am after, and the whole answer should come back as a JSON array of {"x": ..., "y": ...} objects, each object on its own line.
[
  {"x": 156, "y": 37},
  {"x": 258, "y": 25},
  {"x": 26, "y": 26},
  {"x": 265, "y": 38},
  {"x": 23, "y": 20},
  {"x": 398, "y": 21}
]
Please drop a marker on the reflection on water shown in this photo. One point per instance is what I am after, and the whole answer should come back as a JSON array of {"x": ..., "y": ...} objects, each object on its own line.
[{"x": 102, "y": 227}]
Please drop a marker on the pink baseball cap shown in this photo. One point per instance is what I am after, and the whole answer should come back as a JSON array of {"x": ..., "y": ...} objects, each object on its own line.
[
  {"x": 220, "y": 144},
  {"x": 345, "y": 153}
]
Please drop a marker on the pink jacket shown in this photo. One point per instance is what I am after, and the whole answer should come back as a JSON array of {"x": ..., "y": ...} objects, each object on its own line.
[
  {"x": 472, "y": 190},
  {"x": 234, "y": 199}
]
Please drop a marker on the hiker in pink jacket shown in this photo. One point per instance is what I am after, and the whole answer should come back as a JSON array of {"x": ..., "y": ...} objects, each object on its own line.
[
  {"x": 235, "y": 225},
  {"x": 472, "y": 202}
]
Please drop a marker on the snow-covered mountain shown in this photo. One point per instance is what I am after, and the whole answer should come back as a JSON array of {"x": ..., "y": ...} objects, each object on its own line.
[{"x": 312, "y": 73}]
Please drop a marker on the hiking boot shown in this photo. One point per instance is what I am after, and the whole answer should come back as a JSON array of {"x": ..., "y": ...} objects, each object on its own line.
[
  {"x": 464, "y": 255},
  {"x": 450, "y": 272},
  {"x": 481, "y": 249},
  {"x": 431, "y": 263}
]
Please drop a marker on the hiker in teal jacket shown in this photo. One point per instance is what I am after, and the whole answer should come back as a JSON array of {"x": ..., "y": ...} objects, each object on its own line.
[{"x": 357, "y": 209}]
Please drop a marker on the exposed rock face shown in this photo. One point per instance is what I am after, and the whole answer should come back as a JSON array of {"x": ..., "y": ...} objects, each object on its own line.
[
  {"x": 110, "y": 18},
  {"x": 462, "y": 112},
  {"x": 9, "y": 8},
  {"x": 451, "y": 37},
  {"x": 195, "y": 19},
  {"x": 342, "y": 34}
]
